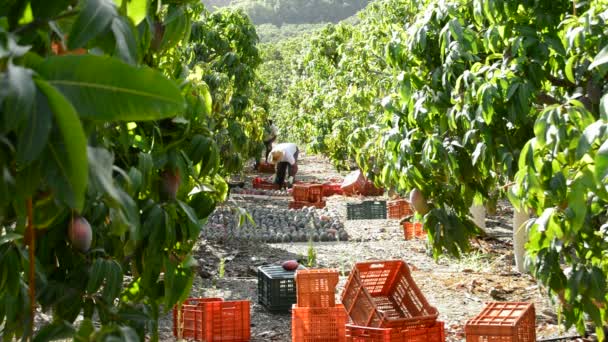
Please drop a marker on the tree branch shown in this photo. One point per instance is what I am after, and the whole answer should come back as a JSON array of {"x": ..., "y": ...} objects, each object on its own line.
[
  {"x": 558, "y": 82},
  {"x": 32, "y": 276},
  {"x": 545, "y": 98}
]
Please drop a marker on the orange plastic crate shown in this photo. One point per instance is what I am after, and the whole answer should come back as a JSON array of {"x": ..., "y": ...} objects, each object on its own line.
[
  {"x": 330, "y": 189},
  {"x": 504, "y": 322},
  {"x": 318, "y": 324},
  {"x": 227, "y": 321},
  {"x": 413, "y": 230},
  {"x": 259, "y": 183},
  {"x": 307, "y": 192},
  {"x": 266, "y": 167},
  {"x": 383, "y": 294},
  {"x": 300, "y": 205},
  {"x": 435, "y": 333},
  {"x": 398, "y": 209},
  {"x": 355, "y": 333},
  {"x": 192, "y": 318},
  {"x": 316, "y": 288}
]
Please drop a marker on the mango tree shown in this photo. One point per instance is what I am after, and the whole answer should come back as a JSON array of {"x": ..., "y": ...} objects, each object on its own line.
[
  {"x": 498, "y": 97},
  {"x": 108, "y": 165}
]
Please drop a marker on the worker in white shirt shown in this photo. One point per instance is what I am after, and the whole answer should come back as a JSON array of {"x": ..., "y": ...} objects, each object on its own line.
[{"x": 285, "y": 157}]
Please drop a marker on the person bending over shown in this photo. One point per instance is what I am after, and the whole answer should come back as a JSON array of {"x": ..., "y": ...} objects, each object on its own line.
[{"x": 285, "y": 157}]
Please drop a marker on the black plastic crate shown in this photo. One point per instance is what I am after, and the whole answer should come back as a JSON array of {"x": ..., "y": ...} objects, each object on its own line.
[
  {"x": 367, "y": 210},
  {"x": 277, "y": 287}
]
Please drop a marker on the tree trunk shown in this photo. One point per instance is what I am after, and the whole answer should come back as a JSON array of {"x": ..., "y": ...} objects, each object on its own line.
[
  {"x": 520, "y": 237},
  {"x": 479, "y": 215}
]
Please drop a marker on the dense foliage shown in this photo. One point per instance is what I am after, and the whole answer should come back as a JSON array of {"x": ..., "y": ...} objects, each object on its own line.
[
  {"x": 114, "y": 146},
  {"x": 467, "y": 101}
]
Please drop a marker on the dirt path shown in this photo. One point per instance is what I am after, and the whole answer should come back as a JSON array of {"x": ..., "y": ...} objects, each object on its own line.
[{"x": 458, "y": 288}]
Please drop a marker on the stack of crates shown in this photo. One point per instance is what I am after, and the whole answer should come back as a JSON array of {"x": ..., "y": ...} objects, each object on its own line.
[
  {"x": 384, "y": 304},
  {"x": 212, "y": 319},
  {"x": 316, "y": 317},
  {"x": 277, "y": 287},
  {"x": 307, "y": 195}
]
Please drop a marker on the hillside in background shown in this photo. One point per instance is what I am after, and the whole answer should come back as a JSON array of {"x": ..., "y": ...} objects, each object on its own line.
[
  {"x": 211, "y": 4},
  {"x": 281, "y": 12}
]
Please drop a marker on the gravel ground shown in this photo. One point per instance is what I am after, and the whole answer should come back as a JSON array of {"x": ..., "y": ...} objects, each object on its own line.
[{"x": 458, "y": 288}]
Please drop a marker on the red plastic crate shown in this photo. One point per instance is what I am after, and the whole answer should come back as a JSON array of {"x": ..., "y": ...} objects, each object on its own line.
[
  {"x": 398, "y": 209},
  {"x": 307, "y": 192},
  {"x": 504, "y": 322},
  {"x": 259, "y": 183},
  {"x": 266, "y": 167},
  {"x": 316, "y": 288},
  {"x": 192, "y": 318},
  {"x": 413, "y": 230},
  {"x": 300, "y": 205},
  {"x": 353, "y": 183},
  {"x": 435, "y": 333},
  {"x": 369, "y": 189},
  {"x": 383, "y": 294},
  {"x": 355, "y": 333},
  {"x": 330, "y": 189},
  {"x": 318, "y": 324},
  {"x": 227, "y": 321}
]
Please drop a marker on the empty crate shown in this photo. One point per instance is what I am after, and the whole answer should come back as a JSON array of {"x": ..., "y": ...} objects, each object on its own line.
[
  {"x": 191, "y": 325},
  {"x": 316, "y": 288},
  {"x": 398, "y": 209},
  {"x": 367, "y": 210},
  {"x": 318, "y": 324},
  {"x": 264, "y": 167},
  {"x": 227, "y": 321},
  {"x": 213, "y": 319},
  {"x": 413, "y": 230},
  {"x": 434, "y": 333},
  {"x": 277, "y": 287},
  {"x": 503, "y": 321},
  {"x": 306, "y": 192},
  {"x": 383, "y": 294}
]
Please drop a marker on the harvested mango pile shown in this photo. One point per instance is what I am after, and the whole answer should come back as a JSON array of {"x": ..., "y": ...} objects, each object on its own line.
[{"x": 275, "y": 225}]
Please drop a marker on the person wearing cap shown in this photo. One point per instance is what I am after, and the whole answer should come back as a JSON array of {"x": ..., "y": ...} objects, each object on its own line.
[{"x": 285, "y": 157}]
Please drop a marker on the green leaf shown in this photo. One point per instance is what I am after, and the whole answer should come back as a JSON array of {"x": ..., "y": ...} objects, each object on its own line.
[
  {"x": 189, "y": 212},
  {"x": 106, "y": 89},
  {"x": 569, "y": 70},
  {"x": 601, "y": 163},
  {"x": 34, "y": 135},
  {"x": 604, "y": 107},
  {"x": 98, "y": 272},
  {"x": 600, "y": 59},
  {"x": 176, "y": 26},
  {"x": 10, "y": 237},
  {"x": 19, "y": 89},
  {"x": 126, "y": 45},
  {"x": 206, "y": 98},
  {"x": 95, "y": 18},
  {"x": 101, "y": 162},
  {"x": 113, "y": 283},
  {"x": 75, "y": 170}
]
